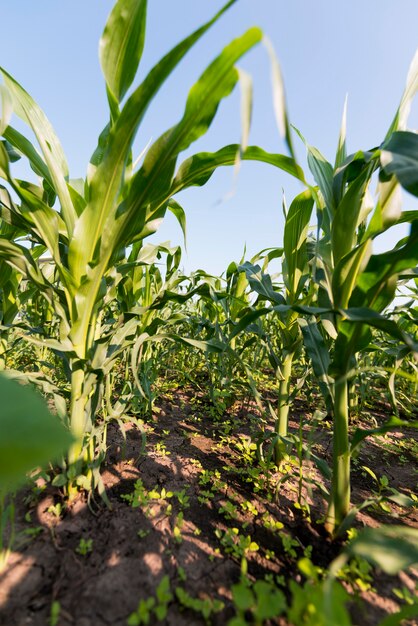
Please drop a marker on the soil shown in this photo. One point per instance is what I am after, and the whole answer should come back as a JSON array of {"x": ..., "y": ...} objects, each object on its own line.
[{"x": 132, "y": 548}]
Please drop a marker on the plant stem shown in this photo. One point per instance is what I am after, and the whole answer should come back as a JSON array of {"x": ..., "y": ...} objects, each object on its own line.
[
  {"x": 7, "y": 517},
  {"x": 339, "y": 502},
  {"x": 283, "y": 408},
  {"x": 3, "y": 349},
  {"x": 77, "y": 414}
]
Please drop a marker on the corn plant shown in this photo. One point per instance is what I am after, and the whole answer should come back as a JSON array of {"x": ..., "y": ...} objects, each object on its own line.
[
  {"x": 339, "y": 280},
  {"x": 355, "y": 286},
  {"x": 297, "y": 291},
  {"x": 86, "y": 225}
]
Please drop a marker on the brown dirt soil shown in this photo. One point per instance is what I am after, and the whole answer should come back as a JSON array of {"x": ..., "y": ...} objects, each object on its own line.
[{"x": 132, "y": 548}]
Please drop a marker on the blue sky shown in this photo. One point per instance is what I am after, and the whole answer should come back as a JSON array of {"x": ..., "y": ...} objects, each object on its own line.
[{"x": 327, "y": 49}]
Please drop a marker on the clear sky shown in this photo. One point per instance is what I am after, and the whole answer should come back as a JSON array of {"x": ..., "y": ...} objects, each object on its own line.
[{"x": 327, "y": 49}]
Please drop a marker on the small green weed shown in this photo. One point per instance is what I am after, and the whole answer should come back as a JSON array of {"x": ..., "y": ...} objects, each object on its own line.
[
  {"x": 157, "y": 606},
  {"x": 259, "y": 602},
  {"x": 206, "y": 608},
  {"x": 84, "y": 547}
]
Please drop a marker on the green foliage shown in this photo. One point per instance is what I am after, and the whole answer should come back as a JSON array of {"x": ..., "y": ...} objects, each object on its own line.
[
  {"x": 95, "y": 219},
  {"x": 29, "y": 434},
  {"x": 392, "y": 548},
  {"x": 157, "y": 606},
  {"x": 206, "y": 607},
  {"x": 85, "y": 546},
  {"x": 258, "y": 602},
  {"x": 109, "y": 320},
  {"x": 54, "y": 613},
  {"x": 318, "y": 605}
]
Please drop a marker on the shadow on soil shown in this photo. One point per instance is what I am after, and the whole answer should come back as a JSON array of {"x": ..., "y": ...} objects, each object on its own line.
[{"x": 133, "y": 548}]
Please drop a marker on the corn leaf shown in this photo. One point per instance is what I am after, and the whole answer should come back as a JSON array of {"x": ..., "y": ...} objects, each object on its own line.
[
  {"x": 44, "y": 218},
  {"x": 346, "y": 218},
  {"x": 317, "y": 352},
  {"x": 279, "y": 97},
  {"x": 121, "y": 45},
  {"x": 294, "y": 243},
  {"x": 261, "y": 283},
  {"x": 381, "y": 267},
  {"x": 115, "y": 149},
  {"x": 341, "y": 148},
  {"x": 32, "y": 114},
  {"x": 399, "y": 156},
  {"x": 347, "y": 271},
  {"x": 6, "y": 109},
  {"x": 322, "y": 171},
  {"x": 216, "y": 83},
  {"x": 401, "y": 117},
  {"x": 197, "y": 169},
  {"x": 178, "y": 211},
  {"x": 23, "y": 145},
  {"x": 369, "y": 318},
  {"x": 392, "y": 548},
  {"x": 29, "y": 435},
  {"x": 394, "y": 424}
]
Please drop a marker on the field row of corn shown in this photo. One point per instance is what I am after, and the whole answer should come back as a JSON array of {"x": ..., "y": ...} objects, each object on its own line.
[{"x": 96, "y": 318}]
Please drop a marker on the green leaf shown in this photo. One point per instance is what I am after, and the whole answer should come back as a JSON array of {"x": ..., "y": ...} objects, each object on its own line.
[
  {"x": 114, "y": 152},
  {"x": 399, "y": 156},
  {"x": 392, "y": 548},
  {"x": 261, "y": 283},
  {"x": 29, "y": 434},
  {"x": 6, "y": 108},
  {"x": 271, "y": 602},
  {"x": 279, "y": 97},
  {"x": 242, "y": 596},
  {"x": 318, "y": 605},
  {"x": 19, "y": 258},
  {"x": 411, "y": 88},
  {"x": 24, "y": 146},
  {"x": 32, "y": 114},
  {"x": 247, "y": 319},
  {"x": 322, "y": 171},
  {"x": 146, "y": 203},
  {"x": 341, "y": 149},
  {"x": 317, "y": 352},
  {"x": 180, "y": 215},
  {"x": 59, "y": 480},
  {"x": 121, "y": 45},
  {"x": 197, "y": 169},
  {"x": 393, "y": 424},
  {"x": 346, "y": 218},
  {"x": 352, "y": 337},
  {"x": 345, "y": 274},
  {"x": 294, "y": 243},
  {"x": 381, "y": 268}
]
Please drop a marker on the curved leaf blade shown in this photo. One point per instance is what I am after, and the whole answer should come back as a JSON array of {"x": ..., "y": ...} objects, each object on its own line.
[
  {"x": 29, "y": 434},
  {"x": 107, "y": 179},
  {"x": 27, "y": 109},
  {"x": 294, "y": 242},
  {"x": 121, "y": 45},
  {"x": 392, "y": 548},
  {"x": 399, "y": 156},
  {"x": 197, "y": 169}
]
